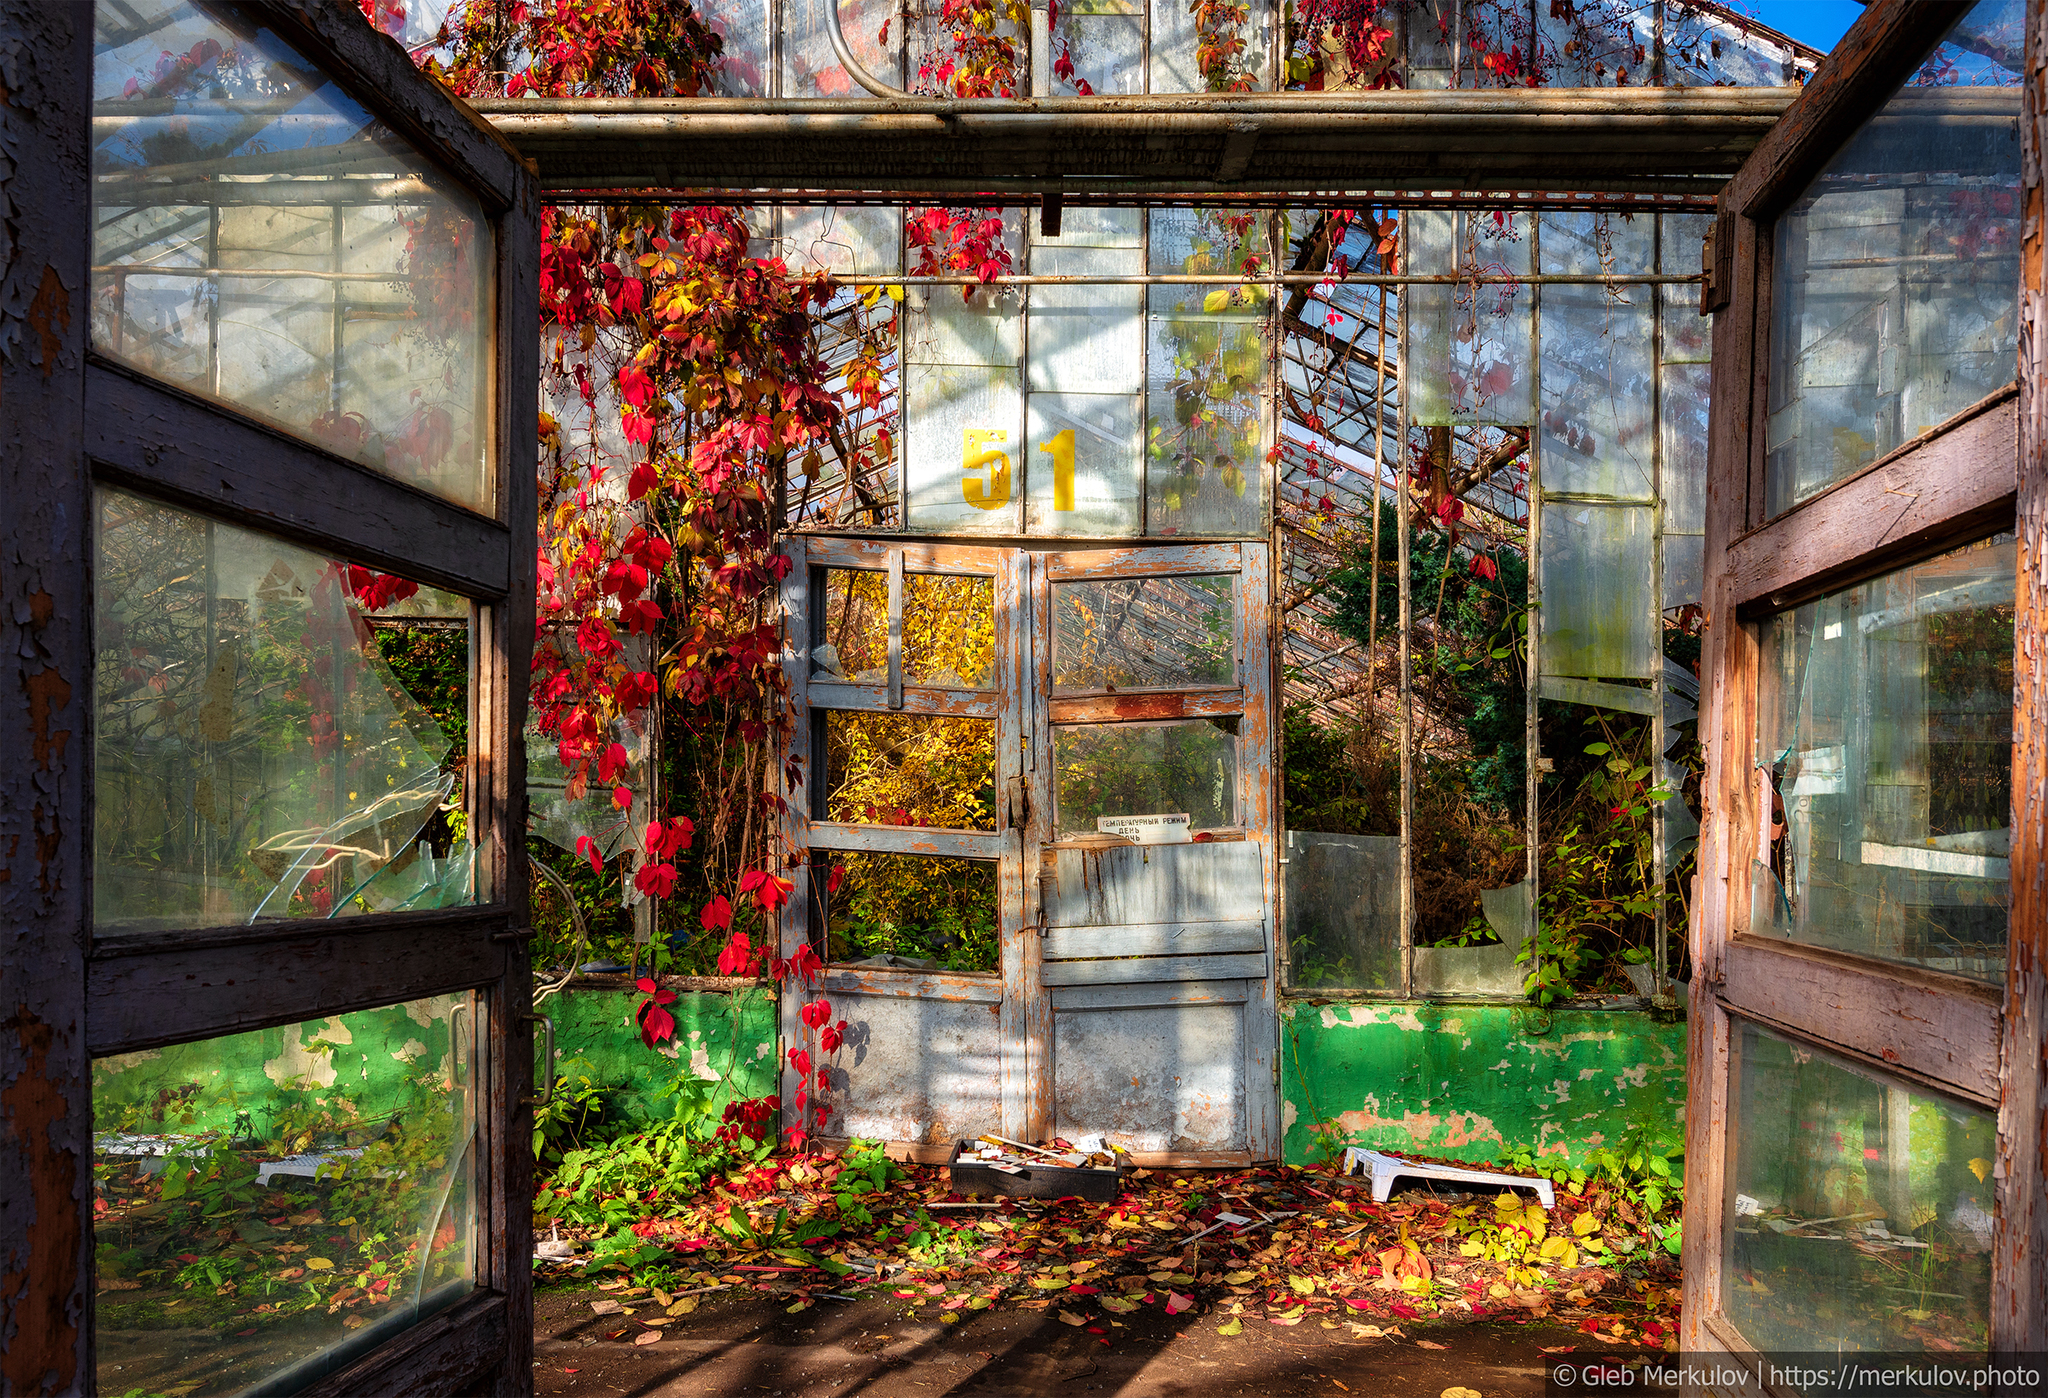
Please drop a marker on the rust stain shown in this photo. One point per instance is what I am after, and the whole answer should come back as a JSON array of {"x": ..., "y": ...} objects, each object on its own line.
[
  {"x": 42, "y": 1354},
  {"x": 52, "y": 303},
  {"x": 48, "y": 692},
  {"x": 2030, "y": 241},
  {"x": 41, "y": 607}
]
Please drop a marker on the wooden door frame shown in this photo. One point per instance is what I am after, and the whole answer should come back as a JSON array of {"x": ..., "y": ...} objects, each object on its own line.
[
  {"x": 74, "y": 422},
  {"x": 1953, "y": 484}
]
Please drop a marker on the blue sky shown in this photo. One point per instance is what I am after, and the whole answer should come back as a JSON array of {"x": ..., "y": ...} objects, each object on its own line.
[{"x": 1816, "y": 22}]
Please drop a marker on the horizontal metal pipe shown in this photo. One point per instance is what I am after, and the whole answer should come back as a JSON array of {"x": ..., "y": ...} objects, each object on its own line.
[
  {"x": 1290, "y": 279},
  {"x": 1463, "y": 104},
  {"x": 1608, "y": 201}
]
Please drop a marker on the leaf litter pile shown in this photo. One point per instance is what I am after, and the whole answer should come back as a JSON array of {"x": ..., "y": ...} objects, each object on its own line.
[{"x": 1273, "y": 1245}]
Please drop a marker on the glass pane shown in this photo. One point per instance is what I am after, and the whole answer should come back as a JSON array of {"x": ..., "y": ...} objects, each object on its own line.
[
  {"x": 949, "y": 631},
  {"x": 1885, "y": 716},
  {"x": 1186, "y": 768},
  {"x": 856, "y": 643},
  {"x": 910, "y": 769},
  {"x": 257, "y": 753},
  {"x": 1144, "y": 633},
  {"x": 1223, "y": 49},
  {"x": 741, "y": 68},
  {"x": 1598, "y": 390},
  {"x": 1087, "y": 450},
  {"x": 1598, "y": 614},
  {"x": 1860, "y": 1209},
  {"x": 263, "y": 240},
  {"x": 809, "y": 66},
  {"x": 1344, "y": 910},
  {"x": 855, "y": 240},
  {"x": 1895, "y": 281},
  {"x": 271, "y": 1204},
  {"x": 964, "y": 409},
  {"x": 908, "y": 911},
  {"x": 1088, "y": 338},
  {"x": 1470, "y": 345},
  {"x": 1105, "y": 41}
]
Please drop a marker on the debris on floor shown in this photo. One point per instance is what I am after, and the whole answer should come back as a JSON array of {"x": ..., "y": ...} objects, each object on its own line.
[{"x": 1270, "y": 1245}]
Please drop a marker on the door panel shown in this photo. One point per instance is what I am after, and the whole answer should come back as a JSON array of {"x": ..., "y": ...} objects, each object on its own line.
[
  {"x": 916, "y": 1070},
  {"x": 1155, "y": 1078},
  {"x": 1144, "y": 884}
]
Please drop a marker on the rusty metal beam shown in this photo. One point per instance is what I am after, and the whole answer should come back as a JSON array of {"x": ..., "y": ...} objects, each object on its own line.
[{"x": 1679, "y": 140}]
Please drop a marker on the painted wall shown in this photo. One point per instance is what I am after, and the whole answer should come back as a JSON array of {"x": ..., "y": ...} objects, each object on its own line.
[
  {"x": 719, "y": 1036},
  {"x": 1471, "y": 1082}
]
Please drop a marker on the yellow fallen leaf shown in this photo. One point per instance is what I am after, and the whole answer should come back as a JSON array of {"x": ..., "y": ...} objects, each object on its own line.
[
  {"x": 1981, "y": 1168},
  {"x": 1234, "y": 1327},
  {"x": 977, "y": 1303},
  {"x": 949, "y": 1318},
  {"x": 1431, "y": 1344},
  {"x": 1050, "y": 1283},
  {"x": 1122, "y": 1305},
  {"x": 1306, "y": 1286},
  {"x": 683, "y": 1305},
  {"x": 1459, "y": 1391},
  {"x": 1584, "y": 1224},
  {"x": 320, "y": 1264}
]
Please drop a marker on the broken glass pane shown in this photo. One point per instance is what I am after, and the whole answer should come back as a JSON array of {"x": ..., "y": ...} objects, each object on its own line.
[
  {"x": 309, "y": 1190},
  {"x": 1894, "y": 280},
  {"x": 1685, "y": 570},
  {"x": 1469, "y": 345},
  {"x": 855, "y": 647},
  {"x": 1144, "y": 633},
  {"x": 949, "y": 631},
  {"x": 1860, "y": 1207},
  {"x": 1598, "y": 590},
  {"x": 1598, "y": 391},
  {"x": 1183, "y": 767},
  {"x": 1885, "y": 719},
  {"x": 907, "y": 911},
  {"x": 910, "y": 769},
  {"x": 266, "y": 242},
  {"x": 255, "y": 755},
  {"x": 1431, "y": 29},
  {"x": 854, "y": 240}
]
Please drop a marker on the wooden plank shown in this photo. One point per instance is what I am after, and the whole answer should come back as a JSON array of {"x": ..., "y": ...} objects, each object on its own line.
[
  {"x": 445, "y": 1353},
  {"x": 1142, "y": 560},
  {"x": 1247, "y": 966},
  {"x": 1258, "y": 807},
  {"x": 1706, "y": 1159},
  {"x": 46, "y": 688},
  {"x": 969, "y": 560},
  {"x": 1112, "y": 885},
  {"x": 1880, "y": 51},
  {"x": 905, "y": 839},
  {"x": 171, "y": 996},
  {"x": 1954, "y": 483},
  {"x": 874, "y": 698},
  {"x": 384, "y": 78},
  {"x": 1917, "y": 1024},
  {"x": 956, "y": 986},
  {"x": 170, "y": 444},
  {"x": 1148, "y": 704},
  {"x": 1142, "y": 995},
  {"x": 2019, "y": 1249},
  {"x": 895, "y": 694},
  {"x": 1029, "y": 1003},
  {"x": 1154, "y": 939}
]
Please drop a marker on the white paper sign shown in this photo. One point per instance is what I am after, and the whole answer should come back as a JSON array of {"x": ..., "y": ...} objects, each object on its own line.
[{"x": 1147, "y": 829}]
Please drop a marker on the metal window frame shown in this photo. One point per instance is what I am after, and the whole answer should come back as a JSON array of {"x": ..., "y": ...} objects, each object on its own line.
[
  {"x": 1966, "y": 479},
  {"x": 75, "y": 422}
]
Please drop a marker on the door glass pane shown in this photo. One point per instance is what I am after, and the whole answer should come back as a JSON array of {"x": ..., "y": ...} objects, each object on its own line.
[
  {"x": 1859, "y": 1210},
  {"x": 1895, "y": 284},
  {"x": 263, "y": 240},
  {"x": 1144, "y": 633},
  {"x": 1185, "y": 768},
  {"x": 907, "y": 911},
  {"x": 855, "y": 646},
  {"x": 910, "y": 769},
  {"x": 273, "y": 1203},
  {"x": 1885, "y": 719},
  {"x": 261, "y": 751}
]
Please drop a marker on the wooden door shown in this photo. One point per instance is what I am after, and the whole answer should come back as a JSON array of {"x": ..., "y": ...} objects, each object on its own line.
[
  {"x": 1152, "y": 855},
  {"x": 1858, "y": 1169}
]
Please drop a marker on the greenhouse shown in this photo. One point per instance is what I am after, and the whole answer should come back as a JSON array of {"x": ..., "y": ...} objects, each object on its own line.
[{"x": 830, "y": 603}]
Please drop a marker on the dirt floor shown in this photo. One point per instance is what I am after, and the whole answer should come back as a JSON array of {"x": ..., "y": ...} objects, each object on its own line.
[{"x": 748, "y": 1344}]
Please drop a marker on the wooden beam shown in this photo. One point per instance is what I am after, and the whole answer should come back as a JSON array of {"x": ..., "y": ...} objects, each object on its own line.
[
  {"x": 1953, "y": 483},
  {"x": 46, "y": 693},
  {"x": 446, "y": 1353},
  {"x": 2019, "y": 1250},
  {"x": 156, "y": 439},
  {"x": 1880, "y": 51}
]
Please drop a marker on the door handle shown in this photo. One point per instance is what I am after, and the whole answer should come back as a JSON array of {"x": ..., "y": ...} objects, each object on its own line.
[{"x": 548, "y": 1032}]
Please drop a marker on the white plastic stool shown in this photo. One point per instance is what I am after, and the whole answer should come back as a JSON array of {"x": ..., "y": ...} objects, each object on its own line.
[{"x": 1385, "y": 1168}]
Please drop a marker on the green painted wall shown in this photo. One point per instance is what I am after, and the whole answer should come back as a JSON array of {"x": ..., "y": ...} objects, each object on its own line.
[
  {"x": 1473, "y": 1081},
  {"x": 719, "y": 1037}
]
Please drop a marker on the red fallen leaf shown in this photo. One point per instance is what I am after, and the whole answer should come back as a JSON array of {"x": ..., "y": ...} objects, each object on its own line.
[
  {"x": 1081, "y": 1289},
  {"x": 1356, "y": 1304},
  {"x": 188, "y": 1257},
  {"x": 239, "y": 1334},
  {"x": 1557, "y": 1349},
  {"x": 572, "y": 1371}
]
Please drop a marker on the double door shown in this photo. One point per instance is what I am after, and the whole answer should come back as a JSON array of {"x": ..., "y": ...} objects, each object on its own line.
[{"x": 1038, "y": 830}]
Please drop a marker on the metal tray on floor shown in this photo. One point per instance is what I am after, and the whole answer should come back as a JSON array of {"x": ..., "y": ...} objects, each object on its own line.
[{"x": 1048, "y": 1181}]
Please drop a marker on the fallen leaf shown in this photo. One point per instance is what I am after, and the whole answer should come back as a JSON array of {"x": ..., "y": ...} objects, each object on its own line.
[
  {"x": 1176, "y": 1303},
  {"x": 320, "y": 1264},
  {"x": 1431, "y": 1344},
  {"x": 1069, "y": 1318},
  {"x": 120, "y": 1284},
  {"x": 1557, "y": 1349},
  {"x": 1234, "y": 1327},
  {"x": 1238, "y": 1278},
  {"x": 646, "y": 1337},
  {"x": 1120, "y": 1304},
  {"x": 606, "y": 1307},
  {"x": 1042, "y": 1283},
  {"x": 1305, "y": 1285},
  {"x": 1458, "y": 1391},
  {"x": 683, "y": 1306}
]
